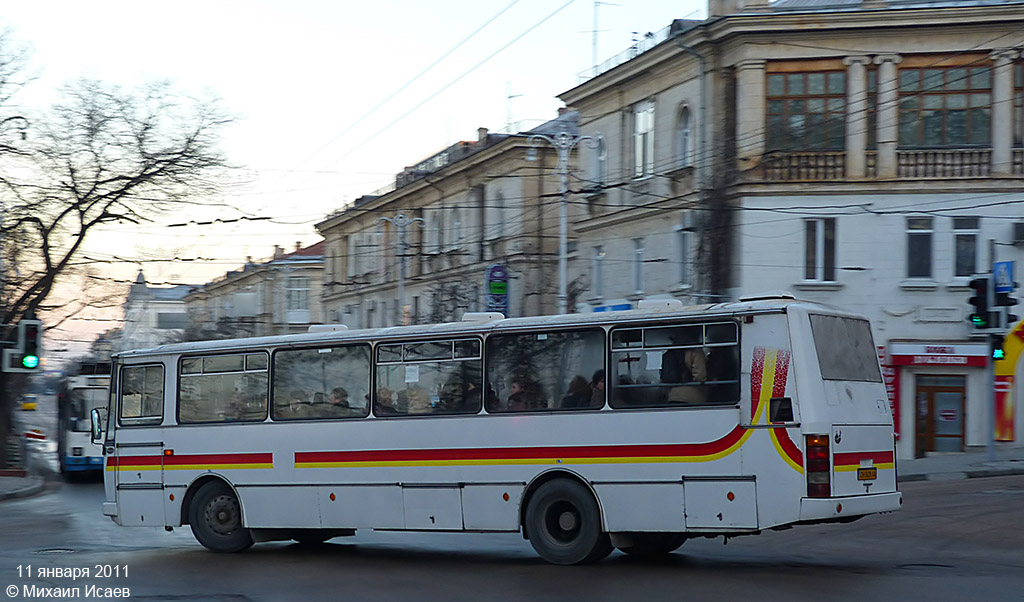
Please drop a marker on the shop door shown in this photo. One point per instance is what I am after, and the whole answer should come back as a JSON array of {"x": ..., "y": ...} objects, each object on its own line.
[{"x": 940, "y": 414}]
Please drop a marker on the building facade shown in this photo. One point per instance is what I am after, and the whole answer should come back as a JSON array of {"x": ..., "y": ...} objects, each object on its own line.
[
  {"x": 279, "y": 296},
  {"x": 863, "y": 154},
  {"x": 472, "y": 228},
  {"x": 152, "y": 316}
]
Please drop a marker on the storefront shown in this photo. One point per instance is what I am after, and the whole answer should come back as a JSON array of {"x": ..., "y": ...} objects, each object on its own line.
[{"x": 939, "y": 395}]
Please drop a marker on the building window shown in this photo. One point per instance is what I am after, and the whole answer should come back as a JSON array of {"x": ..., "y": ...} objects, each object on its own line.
[
  {"x": 820, "y": 249},
  {"x": 683, "y": 255},
  {"x": 643, "y": 140},
  {"x": 597, "y": 155},
  {"x": 684, "y": 139},
  {"x": 597, "y": 272},
  {"x": 945, "y": 106},
  {"x": 919, "y": 247},
  {"x": 638, "y": 265},
  {"x": 297, "y": 292},
  {"x": 806, "y": 111},
  {"x": 496, "y": 217},
  {"x": 965, "y": 241}
]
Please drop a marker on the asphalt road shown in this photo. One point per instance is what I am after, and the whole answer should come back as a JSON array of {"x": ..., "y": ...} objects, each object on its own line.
[{"x": 957, "y": 540}]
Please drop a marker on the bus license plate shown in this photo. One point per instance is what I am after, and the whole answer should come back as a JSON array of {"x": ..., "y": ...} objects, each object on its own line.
[{"x": 867, "y": 474}]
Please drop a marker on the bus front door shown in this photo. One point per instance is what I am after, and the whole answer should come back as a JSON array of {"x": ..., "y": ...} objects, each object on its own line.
[{"x": 139, "y": 482}]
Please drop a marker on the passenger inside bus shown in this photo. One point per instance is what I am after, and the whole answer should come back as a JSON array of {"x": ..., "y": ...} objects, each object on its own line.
[
  {"x": 597, "y": 389},
  {"x": 686, "y": 367},
  {"x": 579, "y": 394}
]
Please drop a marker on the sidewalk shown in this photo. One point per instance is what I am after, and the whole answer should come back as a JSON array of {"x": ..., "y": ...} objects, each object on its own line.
[
  {"x": 16, "y": 483},
  {"x": 971, "y": 464}
]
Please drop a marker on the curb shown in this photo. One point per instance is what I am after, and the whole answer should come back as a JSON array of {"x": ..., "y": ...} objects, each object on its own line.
[
  {"x": 956, "y": 475},
  {"x": 33, "y": 488}
]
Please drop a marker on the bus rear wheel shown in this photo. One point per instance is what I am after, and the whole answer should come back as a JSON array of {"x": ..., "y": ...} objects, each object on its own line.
[
  {"x": 216, "y": 519},
  {"x": 653, "y": 544},
  {"x": 563, "y": 523}
]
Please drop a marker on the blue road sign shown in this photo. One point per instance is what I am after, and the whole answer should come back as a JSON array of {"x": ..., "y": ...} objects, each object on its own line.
[{"x": 1002, "y": 274}]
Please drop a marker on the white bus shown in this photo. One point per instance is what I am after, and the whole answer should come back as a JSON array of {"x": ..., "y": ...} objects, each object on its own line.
[
  {"x": 84, "y": 388},
  {"x": 632, "y": 430}
]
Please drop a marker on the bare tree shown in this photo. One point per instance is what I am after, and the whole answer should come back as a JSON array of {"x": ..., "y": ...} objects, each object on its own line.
[{"x": 101, "y": 156}]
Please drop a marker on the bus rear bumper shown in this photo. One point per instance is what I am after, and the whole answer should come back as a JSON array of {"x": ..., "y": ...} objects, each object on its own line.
[
  {"x": 110, "y": 509},
  {"x": 814, "y": 509}
]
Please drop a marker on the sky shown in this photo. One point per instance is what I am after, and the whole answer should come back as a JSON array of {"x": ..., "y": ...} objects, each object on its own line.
[{"x": 331, "y": 98}]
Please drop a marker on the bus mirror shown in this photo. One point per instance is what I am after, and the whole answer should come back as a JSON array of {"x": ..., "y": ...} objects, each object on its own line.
[{"x": 97, "y": 425}]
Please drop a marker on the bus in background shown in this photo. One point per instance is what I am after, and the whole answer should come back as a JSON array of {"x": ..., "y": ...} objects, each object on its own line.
[
  {"x": 633, "y": 430},
  {"x": 85, "y": 386}
]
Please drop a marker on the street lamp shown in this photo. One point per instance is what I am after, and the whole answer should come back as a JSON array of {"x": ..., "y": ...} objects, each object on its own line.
[
  {"x": 563, "y": 142},
  {"x": 400, "y": 221}
]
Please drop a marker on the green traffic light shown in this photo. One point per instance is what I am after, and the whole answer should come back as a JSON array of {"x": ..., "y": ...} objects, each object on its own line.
[
  {"x": 998, "y": 354},
  {"x": 30, "y": 361}
]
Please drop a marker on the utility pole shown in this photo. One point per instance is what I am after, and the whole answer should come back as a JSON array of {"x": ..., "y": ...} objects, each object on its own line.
[
  {"x": 400, "y": 221},
  {"x": 563, "y": 142}
]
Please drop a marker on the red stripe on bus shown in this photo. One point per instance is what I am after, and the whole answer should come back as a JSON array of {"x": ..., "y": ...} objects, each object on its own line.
[
  {"x": 781, "y": 371},
  {"x": 852, "y": 458},
  {"x": 177, "y": 460},
  {"x": 789, "y": 447},
  {"x": 523, "y": 453}
]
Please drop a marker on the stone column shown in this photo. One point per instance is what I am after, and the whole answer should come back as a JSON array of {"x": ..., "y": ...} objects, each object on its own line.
[
  {"x": 856, "y": 115},
  {"x": 888, "y": 114},
  {"x": 750, "y": 112},
  {"x": 1002, "y": 111}
]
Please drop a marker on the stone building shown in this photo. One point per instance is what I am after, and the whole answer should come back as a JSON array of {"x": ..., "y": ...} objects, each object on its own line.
[
  {"x": 279, "y": 296},
  {"x": 421, "y": 249},
  {"x": 863, "y": 154}
]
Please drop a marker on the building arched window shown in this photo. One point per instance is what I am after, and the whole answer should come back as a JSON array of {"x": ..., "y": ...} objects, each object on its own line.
[{"x": 684, "y": 138}]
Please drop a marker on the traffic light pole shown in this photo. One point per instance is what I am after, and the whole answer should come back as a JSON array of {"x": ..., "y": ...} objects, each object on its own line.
[{"x": 991, "y": 363}]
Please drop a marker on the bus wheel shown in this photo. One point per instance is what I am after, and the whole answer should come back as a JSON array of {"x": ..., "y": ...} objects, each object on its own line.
[
  {"x": 216, "y": 519},
  {"x": 654, "y": 544},
  {"x": 563, "y": 523}
]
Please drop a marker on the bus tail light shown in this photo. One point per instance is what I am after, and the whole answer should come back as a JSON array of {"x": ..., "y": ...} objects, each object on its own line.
[{"x": 817, "y": 466}]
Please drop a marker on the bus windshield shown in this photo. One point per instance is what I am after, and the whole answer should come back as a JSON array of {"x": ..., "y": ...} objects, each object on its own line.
[{"x": 845, "y": 348}]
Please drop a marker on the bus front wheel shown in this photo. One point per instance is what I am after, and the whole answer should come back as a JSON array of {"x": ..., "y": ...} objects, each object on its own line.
[
  {"x": 563, "y": 523},
  {"x": 216, "y": 519}
]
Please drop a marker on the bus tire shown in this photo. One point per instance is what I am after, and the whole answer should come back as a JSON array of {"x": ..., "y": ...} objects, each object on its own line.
[
  {"x": 563, "y": 523},
  {"x": 216, "y": 519},
  {"x": 653, "y": 544}
]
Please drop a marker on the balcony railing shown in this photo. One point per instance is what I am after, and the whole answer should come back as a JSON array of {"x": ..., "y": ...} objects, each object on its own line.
[
  {"x": 952, "y": 163},
  {"x": 805, "y": 166}
]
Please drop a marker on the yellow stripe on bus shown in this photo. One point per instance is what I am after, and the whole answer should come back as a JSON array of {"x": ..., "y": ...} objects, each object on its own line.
[
  {"x": 782, "y": 452},
  {"x": 191, "y": 467},
  {"x": 853, "y": 467}
]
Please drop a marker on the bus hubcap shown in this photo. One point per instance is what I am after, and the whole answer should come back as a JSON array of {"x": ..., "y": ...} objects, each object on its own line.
[
  {"x": 568, "y": 521},
  {"x": 222, "y": 515}
]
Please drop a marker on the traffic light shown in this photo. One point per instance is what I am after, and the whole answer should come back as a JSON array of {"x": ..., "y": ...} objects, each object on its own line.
[
  {"x": 1005, "y": 300},
  {"x": 980, "y": 317},
  {"x": 996, "y": 347},
  {"x": 30, "y": 336}
]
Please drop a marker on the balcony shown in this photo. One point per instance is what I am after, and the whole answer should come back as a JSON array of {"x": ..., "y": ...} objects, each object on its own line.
[
  {"x": 812, "y": 166},
  {"x": 946, "y": 163}
]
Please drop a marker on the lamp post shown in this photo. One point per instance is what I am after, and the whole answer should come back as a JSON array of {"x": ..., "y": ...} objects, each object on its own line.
[
  {"x": 400, "y": 221},
  {"x": 563, "y": 142}
]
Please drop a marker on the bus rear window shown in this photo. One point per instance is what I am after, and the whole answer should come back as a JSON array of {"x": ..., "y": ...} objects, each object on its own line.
[{"x": 845, "y": 348}]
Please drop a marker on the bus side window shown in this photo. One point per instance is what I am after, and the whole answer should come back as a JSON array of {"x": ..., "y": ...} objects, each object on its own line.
[
  {"x": 325, "y": 382},
  {"x": 551, "y": 370},
  {"x": 142, "y": 394}
]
